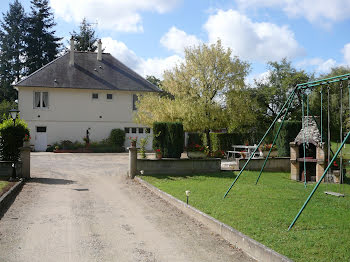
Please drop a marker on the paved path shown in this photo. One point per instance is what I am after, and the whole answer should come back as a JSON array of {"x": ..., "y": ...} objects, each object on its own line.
[{"x": 80, "y": 207}]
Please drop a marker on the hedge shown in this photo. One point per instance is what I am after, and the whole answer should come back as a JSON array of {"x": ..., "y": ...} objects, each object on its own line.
[
  {"x": 117, "y": 137},
  {"x": 289, "y": 131},
  {"x": 12, "y": 138},
  {"x": 224, "y": 141},
  {"x": 169, "y": 138}
]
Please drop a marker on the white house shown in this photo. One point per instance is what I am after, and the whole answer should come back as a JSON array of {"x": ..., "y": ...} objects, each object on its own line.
[{"x": 80, "y": 91}]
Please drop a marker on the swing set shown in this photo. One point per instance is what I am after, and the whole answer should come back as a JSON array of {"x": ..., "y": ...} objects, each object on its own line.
[{"x": 304, "y": 90}]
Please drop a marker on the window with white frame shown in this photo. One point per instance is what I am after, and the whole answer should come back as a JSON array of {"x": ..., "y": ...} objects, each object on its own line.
[{"x": 41, "y": 99}]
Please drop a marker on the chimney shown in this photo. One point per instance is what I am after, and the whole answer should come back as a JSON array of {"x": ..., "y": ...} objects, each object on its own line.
[
  {"x": 99, "y": 50},
  {"x": 71, "y": 55}
]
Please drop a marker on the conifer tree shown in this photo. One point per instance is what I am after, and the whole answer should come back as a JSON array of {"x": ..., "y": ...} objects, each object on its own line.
[
  {"x": 12, "y": 45},
  {"x": 85, "y": 40},
  {"x": 43, "y": 45}
]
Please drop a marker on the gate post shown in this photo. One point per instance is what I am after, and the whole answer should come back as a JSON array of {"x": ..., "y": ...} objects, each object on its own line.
[
  {"x": 25, "y": 159},
  {"x": 132, "y": 161}
]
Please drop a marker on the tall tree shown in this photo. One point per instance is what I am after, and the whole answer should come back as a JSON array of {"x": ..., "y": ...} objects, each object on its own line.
[
  {"x": 198, "y": 87},
  {"x": 43, "y": 45},
  {"x": 272, "y": 92},
  {"x": 85, "y": 39},
  {"x": 12, "y": 45}
]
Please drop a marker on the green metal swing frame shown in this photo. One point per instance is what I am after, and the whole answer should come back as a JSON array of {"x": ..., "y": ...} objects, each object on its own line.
[{"x": 284, "y": 111}]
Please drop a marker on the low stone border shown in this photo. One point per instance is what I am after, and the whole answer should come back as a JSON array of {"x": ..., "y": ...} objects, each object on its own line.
[
  {"x": 250, "y": 246},
  {"x": 7, "y": 198}
]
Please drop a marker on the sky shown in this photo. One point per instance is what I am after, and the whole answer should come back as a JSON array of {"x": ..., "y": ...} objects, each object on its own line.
[{"x": 149, "y": 36}]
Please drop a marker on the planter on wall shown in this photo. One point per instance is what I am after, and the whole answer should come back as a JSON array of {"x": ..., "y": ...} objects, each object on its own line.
[
  {"x": 196, "y": 154},
  {"x": 274, "y": 153}
]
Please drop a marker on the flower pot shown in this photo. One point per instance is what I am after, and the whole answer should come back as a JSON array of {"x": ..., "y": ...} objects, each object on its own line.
[
  {"x": 159, "y": 156},
  {"x": 272, "y": 154},
  {"x": 196, "y": 154},
  {"x": 26, "y": 144},
  {"x": 133, "y": 143}
]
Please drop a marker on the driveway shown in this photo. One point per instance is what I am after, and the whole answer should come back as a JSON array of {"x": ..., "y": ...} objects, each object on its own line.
[{"x": 80, "y": 207}]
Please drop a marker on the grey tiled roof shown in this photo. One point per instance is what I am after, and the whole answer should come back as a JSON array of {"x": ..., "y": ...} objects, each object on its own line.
[
  {"x": 88, "y": 73},
  {"x": 312, "y": 133}
]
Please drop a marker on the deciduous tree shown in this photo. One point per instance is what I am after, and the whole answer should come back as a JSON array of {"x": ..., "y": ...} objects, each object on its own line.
[{"x": 199, "y": 88}]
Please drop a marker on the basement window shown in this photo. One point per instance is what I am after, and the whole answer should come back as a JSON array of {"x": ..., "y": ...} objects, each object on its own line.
[
  {"x": 127, "y": 130},
  {"x": 133, "y": 130},
  {"x": 140, "y": 130}
]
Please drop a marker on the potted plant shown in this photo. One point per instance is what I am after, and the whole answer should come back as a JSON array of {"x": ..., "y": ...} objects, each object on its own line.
[
  {"x": 266, "y": 148},
  {"x": 159, "y": 154},
  {"x": 26, "y": 140},
  {"x": 133, "y": 141},
  {"x": 196, "y": 151}
]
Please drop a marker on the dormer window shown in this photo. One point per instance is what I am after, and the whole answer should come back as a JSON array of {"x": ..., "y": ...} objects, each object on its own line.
[{"x": 41, "y": 99}]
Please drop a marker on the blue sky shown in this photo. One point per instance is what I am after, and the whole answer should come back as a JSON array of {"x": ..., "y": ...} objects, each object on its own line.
[{"x": 149, "y": 35}]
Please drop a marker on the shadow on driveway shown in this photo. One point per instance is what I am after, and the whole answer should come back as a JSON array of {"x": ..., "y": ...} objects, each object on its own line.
[{"x": 51, "y": 181}]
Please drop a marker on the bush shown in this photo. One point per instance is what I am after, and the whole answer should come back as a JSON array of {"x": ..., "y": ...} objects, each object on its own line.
[
  {"x": 195, "y": 138},
  {"x": 224, "y": 141},
  {"x": 169, "y": 138},
  {"x": 12, "y": 138},
  {"x": 117, "y": 137},
  {"x": 289, "y": 131}
]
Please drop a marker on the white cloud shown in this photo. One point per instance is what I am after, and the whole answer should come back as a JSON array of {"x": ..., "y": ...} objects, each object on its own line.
[
  {"x": 150, "y": 66},
  {"x": 176, "y": 40},
  {"x": 157, "y": 66},
  {"x": 320, "y": 65},
  {"x": 252, "y": 40},
  {"x": 346, "y": 51},
  {"x": 321, "y": 11},
  {"x": 115, "y": 15}
]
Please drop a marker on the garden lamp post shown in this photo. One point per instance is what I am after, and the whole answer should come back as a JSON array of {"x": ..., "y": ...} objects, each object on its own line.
[
  {"x": 188, "y": 192},
  {"x": 14, "y": 114}
]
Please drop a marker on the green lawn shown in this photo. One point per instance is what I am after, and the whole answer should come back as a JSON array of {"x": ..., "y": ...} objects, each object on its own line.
[
  {"x": 265, "y": 211},
  {"x": 3, "y": 184}
]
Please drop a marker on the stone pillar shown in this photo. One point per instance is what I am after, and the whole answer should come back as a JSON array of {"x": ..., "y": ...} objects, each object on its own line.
[
  {"x": 132, "y": 162},
  {"x": 320, "y": 156},
  {"x": 25, "y": 159},
  {"x": 294, "y": 164}
]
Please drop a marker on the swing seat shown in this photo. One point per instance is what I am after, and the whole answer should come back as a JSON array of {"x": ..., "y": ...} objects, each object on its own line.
[{"x": 334, "y": 194}]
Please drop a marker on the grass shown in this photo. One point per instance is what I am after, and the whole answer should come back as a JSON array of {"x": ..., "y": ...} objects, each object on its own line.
[
  {"x": 265, "y": 211},
  {"x": 3, "y": 186}
]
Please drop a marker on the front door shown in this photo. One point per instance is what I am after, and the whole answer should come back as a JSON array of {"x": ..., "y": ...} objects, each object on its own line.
[{"x": 40, "y": 139}]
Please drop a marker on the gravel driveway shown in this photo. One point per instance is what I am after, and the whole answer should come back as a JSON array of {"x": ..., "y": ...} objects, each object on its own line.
[{"x": 80, "y": 207}]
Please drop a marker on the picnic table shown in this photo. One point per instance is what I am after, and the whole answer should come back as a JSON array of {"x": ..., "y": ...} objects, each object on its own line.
[{"x": 242, "y": 151}]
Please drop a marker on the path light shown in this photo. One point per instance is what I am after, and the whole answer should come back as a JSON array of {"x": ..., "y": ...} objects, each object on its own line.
[
  {"x": 142, "y": 172},
  {"x": 188, "y": 192},
  {"x": 14, "y": 114}
]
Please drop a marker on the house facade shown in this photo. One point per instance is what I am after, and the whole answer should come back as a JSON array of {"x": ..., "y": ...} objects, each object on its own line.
[{"x": 81, "y": 91}]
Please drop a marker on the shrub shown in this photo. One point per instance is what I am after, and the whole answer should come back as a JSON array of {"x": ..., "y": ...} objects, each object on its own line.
[
  {"x": 289, "y": 131},
  {"x": 169, "y": 138},
  {"x": 12, "y": 138},
  {"x": 224, "y": 141},
  {"x": 117, "y": 137},
  {"x": 195, "y": 138}
]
